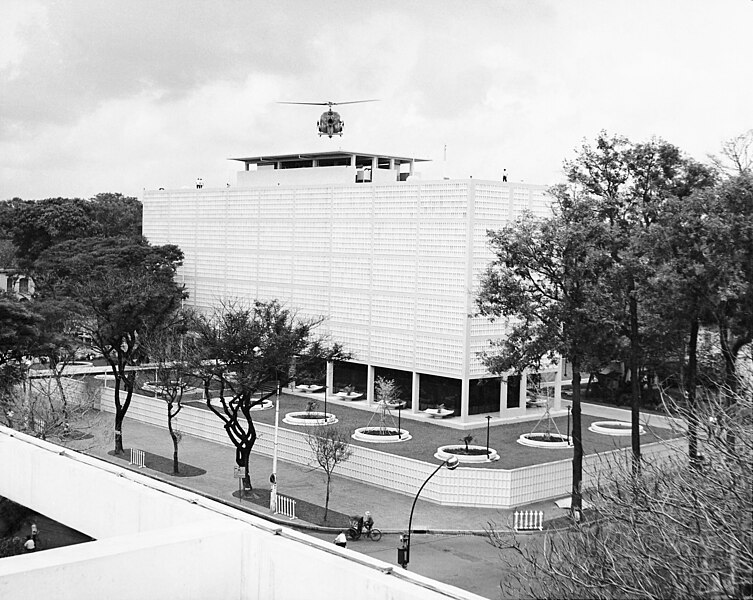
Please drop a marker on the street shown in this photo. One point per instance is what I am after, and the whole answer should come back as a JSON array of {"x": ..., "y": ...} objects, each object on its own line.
[{"x": 465, "y": 561}]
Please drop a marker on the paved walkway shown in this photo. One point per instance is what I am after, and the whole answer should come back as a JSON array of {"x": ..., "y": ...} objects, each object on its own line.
[{"x": 389, "y": 509}]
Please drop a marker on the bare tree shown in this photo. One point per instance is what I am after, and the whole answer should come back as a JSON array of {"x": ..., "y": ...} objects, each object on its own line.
[
  {"x": 387, "y": 391},
  {"x": 677, "y": 531},
  {"x": 175, "y": 353},
  {"x": 69, "y": 417},
  {"x": 737, "y": 155},
  {"x": 330, "y": 447}
]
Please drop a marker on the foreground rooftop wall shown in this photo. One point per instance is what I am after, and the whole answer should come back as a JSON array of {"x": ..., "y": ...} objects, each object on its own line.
[{"x": 156, "y": 541}]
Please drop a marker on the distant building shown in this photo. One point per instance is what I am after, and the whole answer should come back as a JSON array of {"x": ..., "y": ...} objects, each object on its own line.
[
  {"x": 17, "y": 285},
  {"x": 392, "y": 262}
]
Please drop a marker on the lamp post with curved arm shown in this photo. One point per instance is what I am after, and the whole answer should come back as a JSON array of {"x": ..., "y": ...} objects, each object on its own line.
[
  {"x": 452, "y": 464},
  {"x": 273, "y": 476}
]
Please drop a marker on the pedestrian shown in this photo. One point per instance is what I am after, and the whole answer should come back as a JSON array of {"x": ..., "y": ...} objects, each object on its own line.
[
  {"x": 29, "y": 544},
  {"x": 341, "y": 540},
  {"x": 199, "y": 183},
  {"x": 34, "y": 532},
  {"x": 504, "y": 175}
]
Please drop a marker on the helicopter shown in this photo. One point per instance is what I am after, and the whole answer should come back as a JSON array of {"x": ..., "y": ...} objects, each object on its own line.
[{"x": 330, "y": 122}]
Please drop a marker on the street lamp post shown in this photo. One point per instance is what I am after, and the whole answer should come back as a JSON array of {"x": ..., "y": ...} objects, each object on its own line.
[
  {"x": 488, "y": 424},
  {"x": 399, "y": 413},
  {"x": 273, "y": 476},
  {"x": 568, "y": 425},
  {"x": 452, "y": 464}
]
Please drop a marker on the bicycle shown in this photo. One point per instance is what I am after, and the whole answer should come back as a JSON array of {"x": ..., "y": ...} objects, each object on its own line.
[{"x": 373, "y": 534}]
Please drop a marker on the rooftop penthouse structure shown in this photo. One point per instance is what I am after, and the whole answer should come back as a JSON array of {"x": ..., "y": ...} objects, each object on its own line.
[{"x": 391, "y": 261}]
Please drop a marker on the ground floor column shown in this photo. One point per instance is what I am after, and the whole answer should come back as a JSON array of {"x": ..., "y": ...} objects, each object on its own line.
[
  {"x": 415, "y": 392},
  {"x": 558, "y": 388},
  {"x": 329, "y": 382},
  {"x": 502, "y": 395},
  {"x": 369, "y": 384},
  {"x": 523, "y": 388},
  {"x": 465, "y": 394}
]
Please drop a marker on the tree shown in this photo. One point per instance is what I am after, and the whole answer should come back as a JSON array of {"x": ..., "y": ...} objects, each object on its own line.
[
  {"x": 731, "y": 247},
  {"x": 34, "y": 226},
  {"x": 737, "y": 155},
  {"x": 330, "y": 447},
  {"x": 629, "y": 185},
  {"x": 386, "y": 391},
  {"x": 174, "y": 353},
  {"x": 57, "y": 346},
  {"x": 687, "y": 533},
  {"x": 546, "y": 278},
  {"x": 123, "y": 289},
  {"x": 116, "y": 215},
  {"x": 248, "y": 353},
  {"x": 19, "y": 332}
]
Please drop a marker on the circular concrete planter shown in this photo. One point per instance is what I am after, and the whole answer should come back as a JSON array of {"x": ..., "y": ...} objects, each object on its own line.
[
  {"x": 105, "y": 377},
  {"x": 349, "y": 395},
  {"x": 619, "y": 428},
  {"x": 309, "y": 418},
  {"x": 478, "y": 455},
  {"x": 265, "y": 404},
  {"x": 153, "y": 387},
  {"x": 158, "y": 388},
  {"x": 551, "y": 441},
  {"x": 376, "y": 435},
  {"x": 439, "y": 413},
  {"x": 309, "y": 388}
]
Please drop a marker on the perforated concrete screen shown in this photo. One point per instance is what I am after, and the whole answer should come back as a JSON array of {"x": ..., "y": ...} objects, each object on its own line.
[{"x": 392, "y": 266}]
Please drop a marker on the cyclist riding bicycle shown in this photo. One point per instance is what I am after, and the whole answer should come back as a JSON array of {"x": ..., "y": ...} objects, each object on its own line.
[{"x": 366, "y": 521}]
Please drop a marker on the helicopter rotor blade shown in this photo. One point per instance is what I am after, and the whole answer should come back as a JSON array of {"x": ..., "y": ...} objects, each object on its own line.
[
  {"x": 331, "y": 103},
  {"x": 355, "y": 102},
  {"x": 309, "y": 103}
]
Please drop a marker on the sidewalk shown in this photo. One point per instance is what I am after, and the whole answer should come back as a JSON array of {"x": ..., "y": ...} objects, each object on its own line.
[{"x": 217, "y": 461}]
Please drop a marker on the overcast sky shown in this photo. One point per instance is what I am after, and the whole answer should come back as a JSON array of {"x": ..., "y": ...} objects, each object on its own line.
[{"x": 113, "y": 96}]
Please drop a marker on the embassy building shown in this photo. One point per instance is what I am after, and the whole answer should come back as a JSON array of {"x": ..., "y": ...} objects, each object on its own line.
[{"x": 389, "y": 260}]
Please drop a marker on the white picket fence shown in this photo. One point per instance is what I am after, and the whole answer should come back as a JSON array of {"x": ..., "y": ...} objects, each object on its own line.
[
  {"x": 528, "y": 520},
  {"x": 137, "y": 458},
  {"x": 285, "y": 507}
]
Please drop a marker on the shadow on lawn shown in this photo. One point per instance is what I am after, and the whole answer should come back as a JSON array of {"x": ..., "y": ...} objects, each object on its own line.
[
  {"x": 161, "y": 464},
  {"x": 304, "y": 511}
]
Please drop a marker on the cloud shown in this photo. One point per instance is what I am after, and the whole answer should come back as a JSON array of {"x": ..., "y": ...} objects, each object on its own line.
[
  {"x": 80, "y": 54},
  {"x": 116, "y": 96}
]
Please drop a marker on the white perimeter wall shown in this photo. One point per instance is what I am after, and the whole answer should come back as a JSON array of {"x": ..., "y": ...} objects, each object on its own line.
[
  {"x": 156, "y": 541},
  {"x": 465, "y": 486}
]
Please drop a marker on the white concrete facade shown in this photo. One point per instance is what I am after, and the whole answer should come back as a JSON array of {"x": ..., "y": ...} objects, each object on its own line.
[{"x": 393, "y": 266}]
